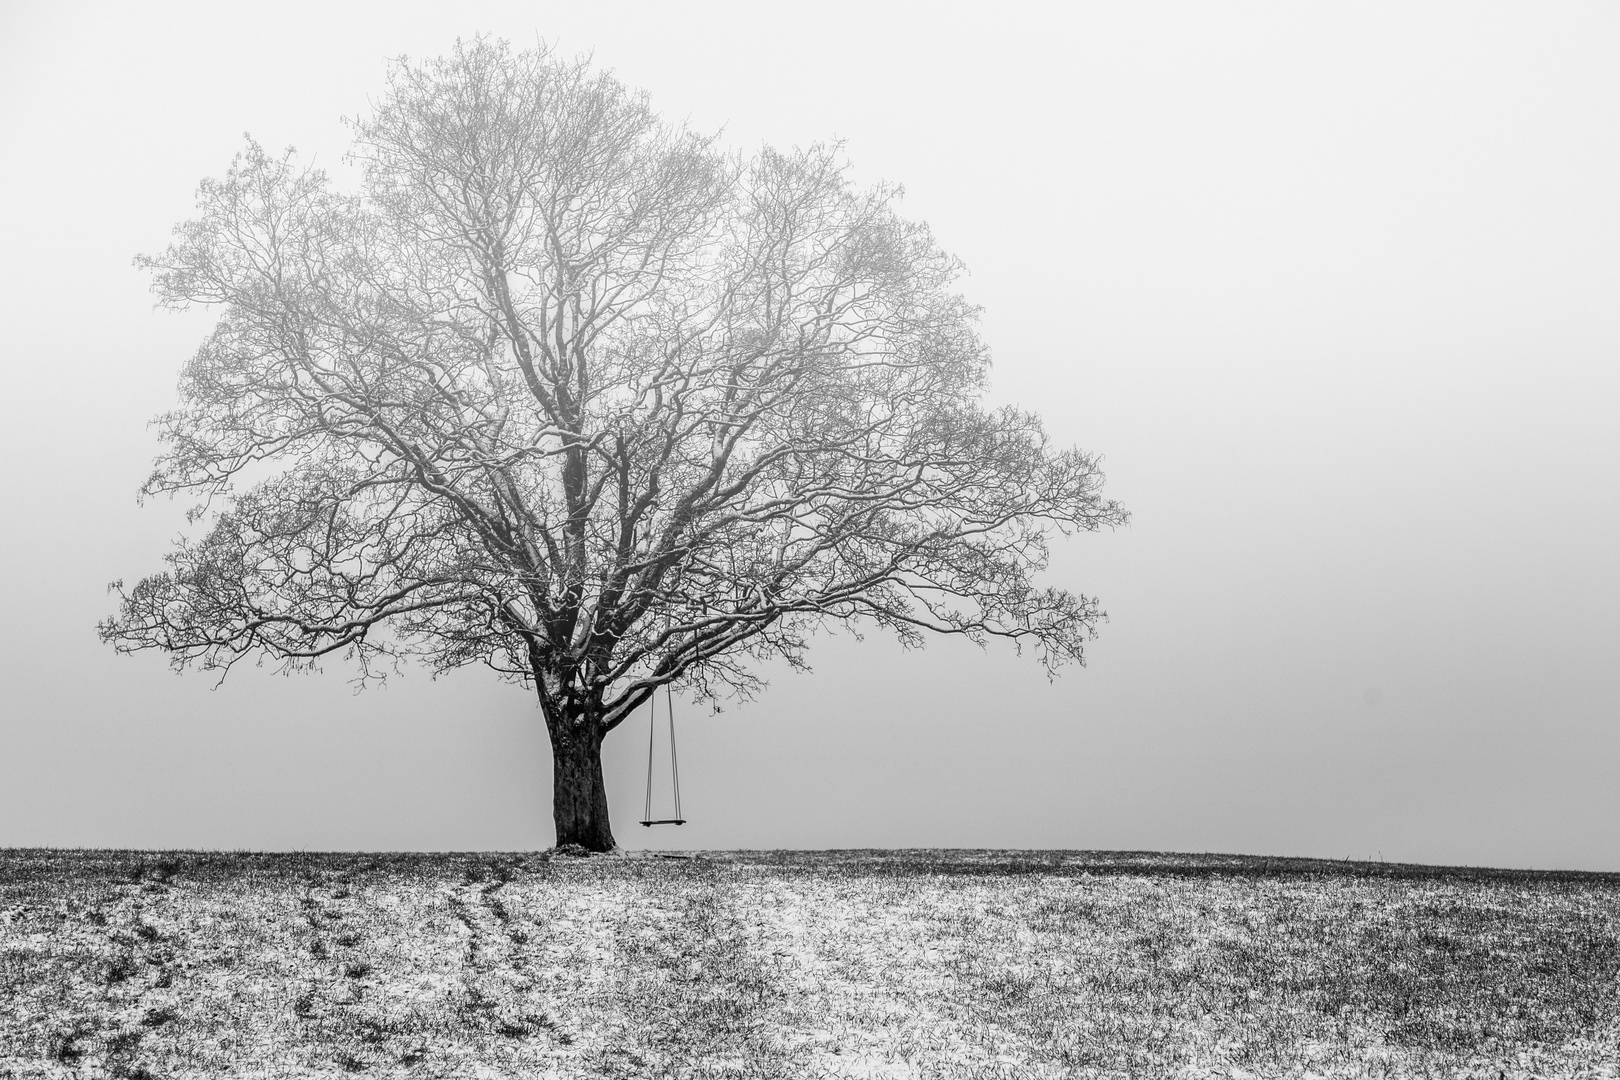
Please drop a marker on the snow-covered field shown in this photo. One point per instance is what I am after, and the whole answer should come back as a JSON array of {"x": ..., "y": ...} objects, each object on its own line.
[{"x": 839, "y": 964}]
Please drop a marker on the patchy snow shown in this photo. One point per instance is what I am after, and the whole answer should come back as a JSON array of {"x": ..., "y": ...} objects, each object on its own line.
[{"x": 858, "y": 965}]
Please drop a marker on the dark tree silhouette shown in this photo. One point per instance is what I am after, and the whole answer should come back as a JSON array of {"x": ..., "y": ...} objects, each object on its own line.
[{"x": 571, "y": 392}]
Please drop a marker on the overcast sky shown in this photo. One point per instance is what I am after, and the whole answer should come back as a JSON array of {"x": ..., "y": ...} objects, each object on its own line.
[{"x": 1335, "y": 292}]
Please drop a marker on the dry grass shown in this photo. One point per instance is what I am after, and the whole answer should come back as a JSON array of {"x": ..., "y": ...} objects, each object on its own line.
[{"x": 926, "y": 964}]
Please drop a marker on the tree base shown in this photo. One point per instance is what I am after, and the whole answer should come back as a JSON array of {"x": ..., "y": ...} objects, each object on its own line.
[{"x": 579, "y": 796}]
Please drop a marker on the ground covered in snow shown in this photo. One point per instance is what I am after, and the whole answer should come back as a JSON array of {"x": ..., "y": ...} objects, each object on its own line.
[{"x": 838, "y": 964}]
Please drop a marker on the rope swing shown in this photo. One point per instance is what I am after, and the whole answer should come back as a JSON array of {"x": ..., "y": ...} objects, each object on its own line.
[{"x": 674, "y": 772}]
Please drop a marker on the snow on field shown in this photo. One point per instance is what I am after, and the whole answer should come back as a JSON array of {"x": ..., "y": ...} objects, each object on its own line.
[{"x": 942, "y": 964}]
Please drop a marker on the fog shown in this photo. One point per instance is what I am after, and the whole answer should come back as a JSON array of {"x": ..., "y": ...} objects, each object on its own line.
[{"x": 1332, "y": 291}]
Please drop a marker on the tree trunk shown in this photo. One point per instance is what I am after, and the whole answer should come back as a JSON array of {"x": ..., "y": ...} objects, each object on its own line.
[{"x": 579, "y": 797}]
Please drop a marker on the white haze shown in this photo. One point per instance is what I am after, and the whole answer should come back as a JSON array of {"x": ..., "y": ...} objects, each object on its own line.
[{"x": 1333, "y": 289}]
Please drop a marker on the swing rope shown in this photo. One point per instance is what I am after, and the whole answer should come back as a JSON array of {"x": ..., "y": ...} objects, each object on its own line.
[
  {"x": 674, "y": 768},
  {"x": 652, "y": 726}
]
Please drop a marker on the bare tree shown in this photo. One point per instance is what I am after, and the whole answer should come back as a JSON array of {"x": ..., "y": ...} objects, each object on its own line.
[{"x": 570, "y": 392}]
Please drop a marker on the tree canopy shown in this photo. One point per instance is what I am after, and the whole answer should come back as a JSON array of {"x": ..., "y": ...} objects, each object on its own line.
[{"x": 575, "y": 393}]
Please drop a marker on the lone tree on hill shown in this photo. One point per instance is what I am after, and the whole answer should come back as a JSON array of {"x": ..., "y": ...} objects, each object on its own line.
[{"x": 573, "y": 393}]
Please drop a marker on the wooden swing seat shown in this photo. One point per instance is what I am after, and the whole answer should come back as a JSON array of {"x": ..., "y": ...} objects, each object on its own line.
[{"x": 666, "y": 821}]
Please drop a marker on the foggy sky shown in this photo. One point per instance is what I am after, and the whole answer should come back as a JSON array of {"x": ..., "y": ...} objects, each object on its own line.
[{"x": 1334, "y": 292}]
